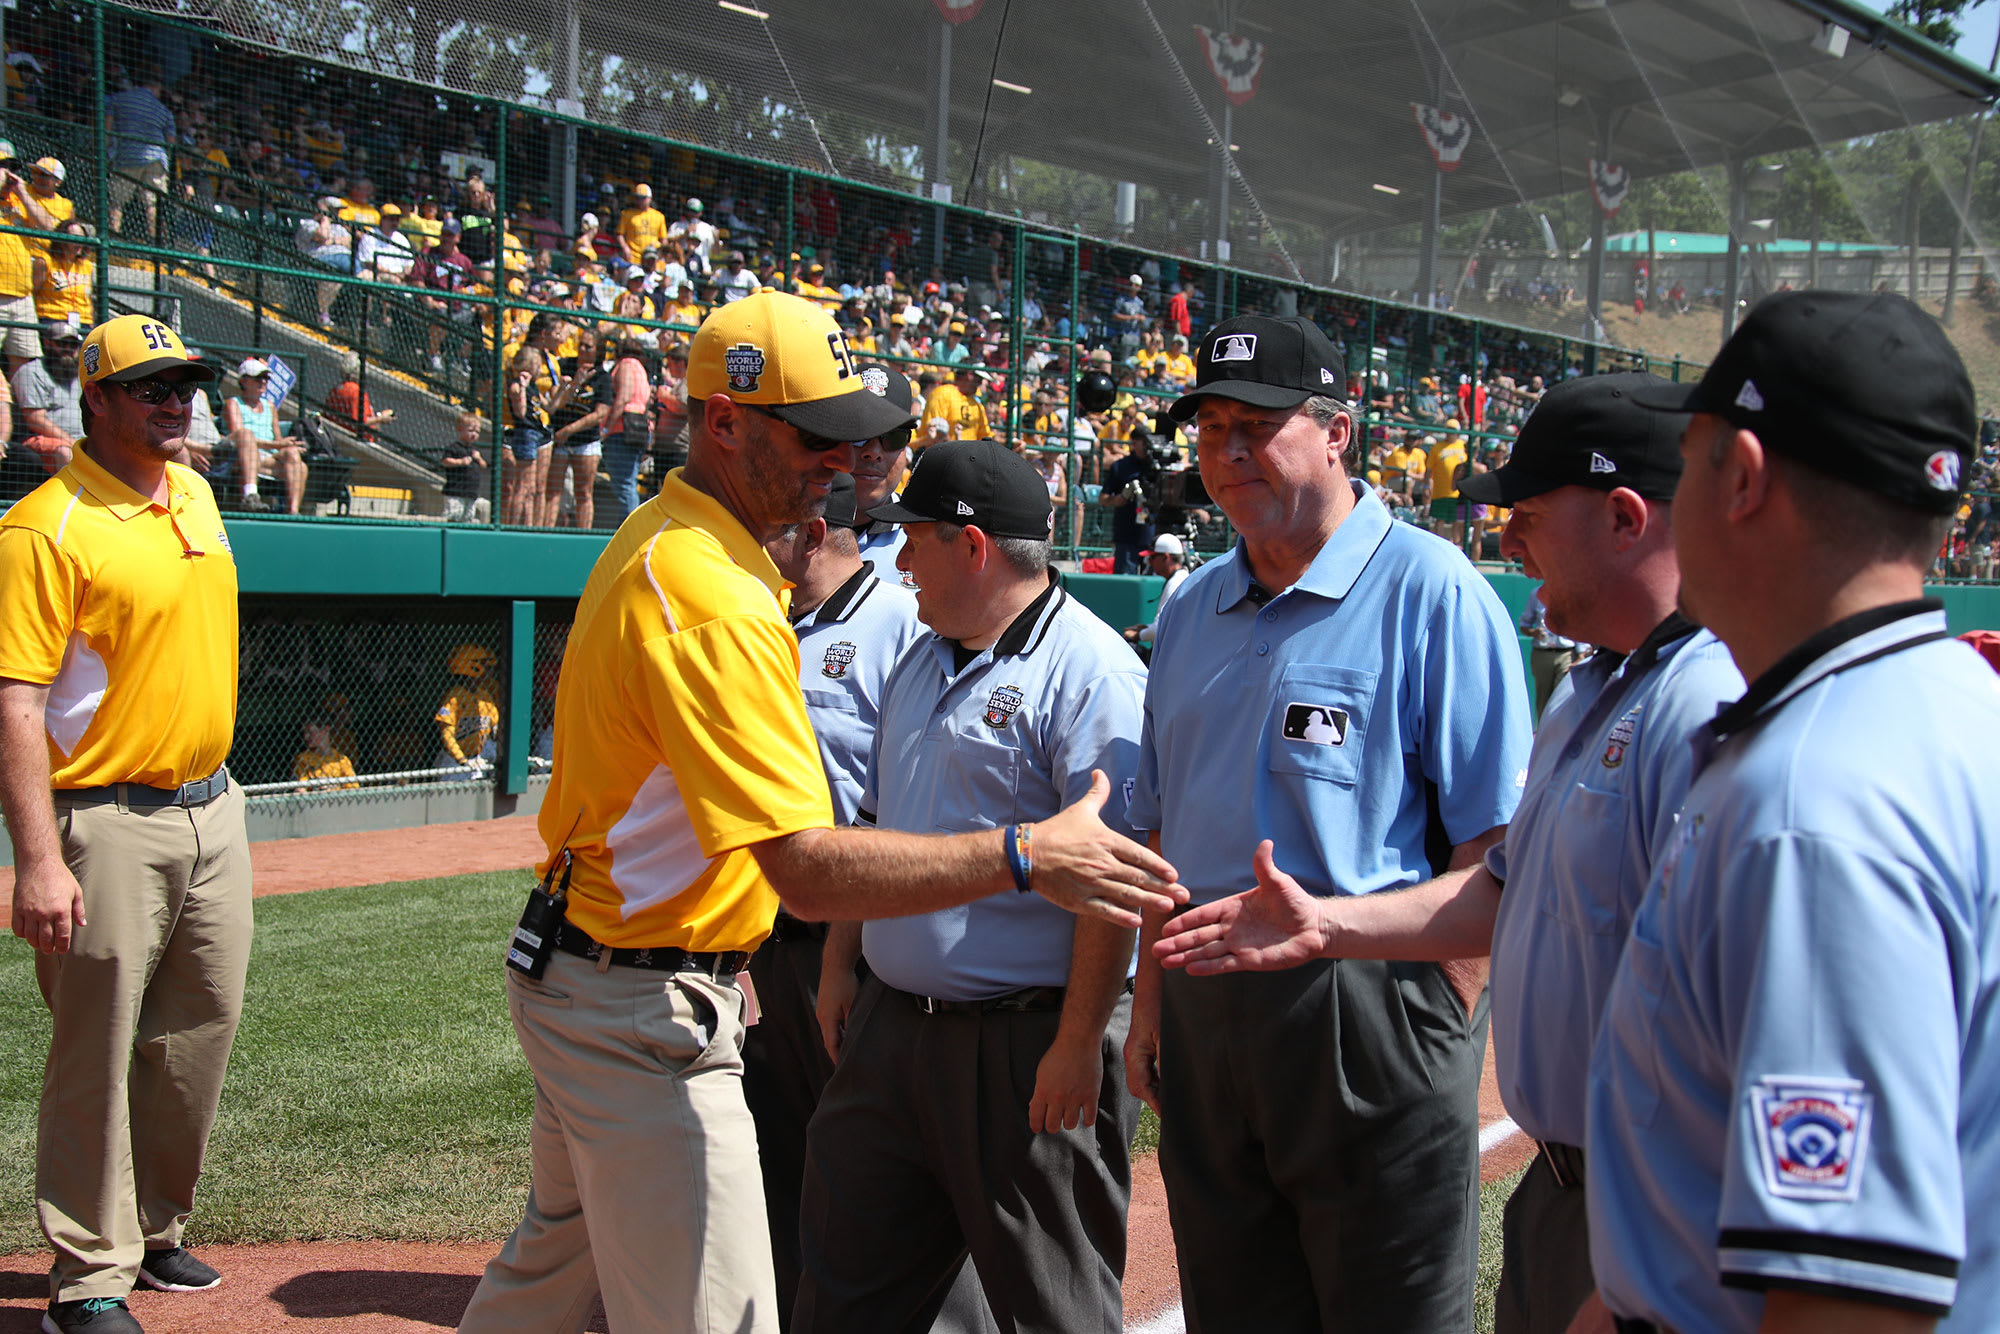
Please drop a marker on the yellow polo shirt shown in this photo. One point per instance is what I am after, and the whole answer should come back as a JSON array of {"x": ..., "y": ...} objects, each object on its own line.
[
  {"x": 681, "y": 735},
  {"x": 126, "y": 610},
  {"x": 1444, "y": 466},
  {"x": 642, "y": 229},
  {"x": 966, "y": 416}
]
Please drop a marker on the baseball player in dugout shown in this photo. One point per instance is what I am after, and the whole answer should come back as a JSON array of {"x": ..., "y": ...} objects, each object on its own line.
[
  {"x": 979, "y": 1104},
  {"x": 1591, "y": 484},
  {"x": 687, "y": 799},
  {"x": 1794, "y": 1112},
  {"x": 132, "y": 872},
  {"x": 1336, "y": 707},
  {"x": 468, "y": 718}
]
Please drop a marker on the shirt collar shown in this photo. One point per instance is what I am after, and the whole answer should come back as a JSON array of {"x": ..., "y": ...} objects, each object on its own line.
[
  {"x": 697, "y": 509},
  {"x": 1864, "y": 636},
  {"x": 841, "y": 603},
  {"x": 114, "y": 495},
  {"x": 1339, "y": 563},
  {"x": 1642, "y": 658},
  {"x": 1025, "y": 633}
]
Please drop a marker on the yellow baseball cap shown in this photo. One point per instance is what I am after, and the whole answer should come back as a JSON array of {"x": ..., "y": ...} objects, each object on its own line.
[
  {"x": 133, "y": 347},
  {"x": 784, "y": 353}
]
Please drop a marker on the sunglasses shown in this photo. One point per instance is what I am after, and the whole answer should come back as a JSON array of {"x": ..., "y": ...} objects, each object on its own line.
[
  {"x": 816, "y": 444},
  {"x": 153, "y": 392}
]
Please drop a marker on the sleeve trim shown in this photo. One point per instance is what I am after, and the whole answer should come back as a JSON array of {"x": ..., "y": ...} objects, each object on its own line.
[
  {"x": 1761, "y": 1283},
  {"x": 1883, "y": 1253},
  {"x": 865, "y": 817}
]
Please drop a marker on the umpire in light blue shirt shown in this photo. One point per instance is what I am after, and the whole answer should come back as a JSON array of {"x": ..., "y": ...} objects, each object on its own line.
[
  {"x": 977, "y": 1106},
  {"x": 1337, "y": 705},
  {"x": 1794, "y": 1114},
  {"x": 852, "y": 628}
]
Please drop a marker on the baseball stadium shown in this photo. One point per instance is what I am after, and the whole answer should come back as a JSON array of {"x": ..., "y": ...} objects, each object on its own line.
[{"x": 602, "y": 451}]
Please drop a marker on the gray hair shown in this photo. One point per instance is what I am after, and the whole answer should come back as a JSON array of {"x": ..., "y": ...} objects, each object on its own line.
[
  {"x": 1323, "y": 408},
  {"x": 1025, "y": 556}
]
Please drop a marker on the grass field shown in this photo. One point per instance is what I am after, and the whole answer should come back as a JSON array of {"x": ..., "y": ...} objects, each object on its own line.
[{"x": 376, "y": 1091}]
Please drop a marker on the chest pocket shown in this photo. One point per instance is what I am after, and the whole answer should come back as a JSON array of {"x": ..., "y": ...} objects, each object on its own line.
[
  {"x": 980, "y": 785},
  {"x": 1318, "y": 721}
]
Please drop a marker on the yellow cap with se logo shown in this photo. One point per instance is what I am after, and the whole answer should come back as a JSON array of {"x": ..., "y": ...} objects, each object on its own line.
[
  {"x": 786, "y": 355},
  {"x": 132, "y": 347}
]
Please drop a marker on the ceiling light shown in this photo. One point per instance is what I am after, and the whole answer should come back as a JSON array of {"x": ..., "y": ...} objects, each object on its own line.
[
  {"x": 1388, "y": 189},
  {"x": 735, "y": 8},
  {"x": 1236, "y": 148},
  {"x": 1569, "y": 96},
  {"x": 1022, "y": 89}
]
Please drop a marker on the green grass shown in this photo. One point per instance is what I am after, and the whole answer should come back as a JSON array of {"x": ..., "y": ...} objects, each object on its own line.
[{"x": 376, "y": 1091}]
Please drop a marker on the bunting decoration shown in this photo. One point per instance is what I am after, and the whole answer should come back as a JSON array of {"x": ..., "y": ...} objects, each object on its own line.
[
  {"x": 958, "y": 11},
  {"x": 1446, "y": 132},
  {"x": 1236, "y": 62},
  {"x": 1608, "y": 184}
]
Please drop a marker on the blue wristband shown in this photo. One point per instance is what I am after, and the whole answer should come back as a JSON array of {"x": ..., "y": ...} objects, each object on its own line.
[{"x": 1010, "y": 841}]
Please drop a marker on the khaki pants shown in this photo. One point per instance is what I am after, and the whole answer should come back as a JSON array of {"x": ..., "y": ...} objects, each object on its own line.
[
  {"x": 646, "y": 1185},
  {"x": 145, "y": 1006}
]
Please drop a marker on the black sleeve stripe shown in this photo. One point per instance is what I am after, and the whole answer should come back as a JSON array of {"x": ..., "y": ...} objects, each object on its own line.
[
  {"x": 1759, "y": 1283},
  {"x": 1840, "y": 1248},
  {"x": 865, "y": 817}
]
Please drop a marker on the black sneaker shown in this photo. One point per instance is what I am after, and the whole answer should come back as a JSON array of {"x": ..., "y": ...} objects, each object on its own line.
[
  {"x": 176, "y": 1271},
  {"x": 95, "y": 1315},
  {"x": 255, "y": 503}
]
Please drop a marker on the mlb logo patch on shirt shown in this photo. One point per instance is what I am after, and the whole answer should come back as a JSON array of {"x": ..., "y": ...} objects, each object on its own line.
[
  {"x": 1316, "y": 724},
  {"x": 1812, "y": 1135}
]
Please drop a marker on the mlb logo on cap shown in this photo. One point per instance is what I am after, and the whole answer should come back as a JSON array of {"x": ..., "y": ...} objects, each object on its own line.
[
  {"x": 1236, "y": 347},
  {"x": 1266, "y": 362}
]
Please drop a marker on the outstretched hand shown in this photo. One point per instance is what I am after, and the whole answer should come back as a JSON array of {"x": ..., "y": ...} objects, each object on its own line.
[
  {"x": 1083, "y": 865},
  {"x": 1276, "y": 925}
]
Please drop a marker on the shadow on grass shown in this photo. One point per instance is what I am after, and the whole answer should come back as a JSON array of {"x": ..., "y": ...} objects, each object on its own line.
[{"x": 329, "y": 1294}]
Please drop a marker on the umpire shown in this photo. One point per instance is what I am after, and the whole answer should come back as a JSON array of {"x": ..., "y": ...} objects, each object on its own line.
[
  {"x": 1340, "y": 696},
  {"x": 118, "y": 692},
  {"x": 1590, "y": 484},
  {"x": 1795, "y": 1097},
  {"x": 978, "y": 1105}
]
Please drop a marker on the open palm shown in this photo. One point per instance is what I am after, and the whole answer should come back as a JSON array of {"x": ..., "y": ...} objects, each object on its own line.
[{"x": 1276, "y": 925}]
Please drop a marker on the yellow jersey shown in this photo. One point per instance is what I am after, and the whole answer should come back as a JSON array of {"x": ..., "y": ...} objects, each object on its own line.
[
  {"x": 467, "y": 720},
  {"x": 642, "y": 230},
  {"x": 681, "y": 736},
  {"x": 311, "y": 764},
  {"x": 65, "y": 290},
  {"x": 965, "y": 416},
  {"x": 1444, "y": 466},
  {"x": 126, "y": 609},
  {"x": 58, "y": 207}
]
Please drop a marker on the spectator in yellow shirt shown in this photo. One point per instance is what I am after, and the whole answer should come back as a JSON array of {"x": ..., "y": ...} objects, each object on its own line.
[
  {"x": 642, "y": 227},
  {"x": 1180, "y": 366},
  {"x": 63, "y": 277},
  {"x": 320, "y": 760},
  {"x": 20, "y": 208},
  {"x": 44, "y": 190},
  {"x": 954, "y": 412}
]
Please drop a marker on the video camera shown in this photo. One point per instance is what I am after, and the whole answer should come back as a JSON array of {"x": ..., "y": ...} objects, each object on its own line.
[{"x": 1168, "y": 490}]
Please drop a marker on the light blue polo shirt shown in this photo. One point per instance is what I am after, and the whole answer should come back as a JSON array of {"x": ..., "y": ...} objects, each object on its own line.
[
  {"x": 879, "y": 547},
  {"x": 1797, "y": 1077},
  {"x": 1332, "y": 717},
  {"x": 1610, "y": 768},
  {"x": 847, "y": 646},
  {"x": 1010, "y": 737}
]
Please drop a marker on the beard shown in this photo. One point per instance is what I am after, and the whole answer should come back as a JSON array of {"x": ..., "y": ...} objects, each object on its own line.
[{"x": 781, "y": 493}]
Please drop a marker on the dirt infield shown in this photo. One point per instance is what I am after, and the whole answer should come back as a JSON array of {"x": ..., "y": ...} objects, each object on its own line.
[{"x": 393, "y": 1287}]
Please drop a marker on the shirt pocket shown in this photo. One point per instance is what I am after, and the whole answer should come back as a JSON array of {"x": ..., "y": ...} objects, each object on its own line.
[
  {"x": 1319, "y": 720},
  {"x": 1593, "y": 904},
  {"x": 980, "y": 786},
  {"x": 1636, "y": 1067}
]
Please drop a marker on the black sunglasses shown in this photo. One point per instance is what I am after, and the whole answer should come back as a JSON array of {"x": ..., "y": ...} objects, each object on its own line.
[
  {"x": 817, "y": 444},
  {"x": 153, "y": 392}
]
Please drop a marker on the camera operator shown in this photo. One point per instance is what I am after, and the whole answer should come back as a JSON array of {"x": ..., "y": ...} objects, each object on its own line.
[{"x": 1152, "y": 489}]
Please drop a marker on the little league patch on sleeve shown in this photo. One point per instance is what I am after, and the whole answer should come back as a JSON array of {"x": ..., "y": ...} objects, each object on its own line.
[{"x": 1812, "y": 1135}]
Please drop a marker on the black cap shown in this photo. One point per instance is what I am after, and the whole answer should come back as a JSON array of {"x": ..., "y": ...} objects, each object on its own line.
[
  {"x": 840, "y": 503},
  {"x": 1590, "y": 432},
  {"x": 1861, "y": 386},
  {"x": 981, "y": 483},
  {"x": 1265, "y": 361},
  {"x": 890, "y": 383}
]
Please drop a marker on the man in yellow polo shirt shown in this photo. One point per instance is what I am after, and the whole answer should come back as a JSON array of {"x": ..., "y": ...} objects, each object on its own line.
[
  {"x": 118, "y": 695},
  {"x": 954, "y": 412},
  {"x": 687, "y": 798}
]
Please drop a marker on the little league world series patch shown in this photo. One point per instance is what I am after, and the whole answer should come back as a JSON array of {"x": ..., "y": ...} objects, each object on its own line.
[
  {"x": 839, "y": 657},
  {"x": 1812, "y": 1135},
  {"x": 1002, "y": 705},
  {"x": 743, "y": 363}
]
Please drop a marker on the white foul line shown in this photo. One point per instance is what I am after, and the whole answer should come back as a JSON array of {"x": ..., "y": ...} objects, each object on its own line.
[{"x": 1173, "y": 1321}]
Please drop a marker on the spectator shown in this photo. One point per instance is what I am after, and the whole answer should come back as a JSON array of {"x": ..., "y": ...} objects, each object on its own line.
[
  {"x": 322, "y": 239},
  {"x": 1128, "y": 315},
  {"x": 425, "y": 226},
  {"x": 1167, "y": 560},
  {"x": 1179, "y": 318},
  {"x": 37, "y": 201},
  {"x": 629, "y": 428},
  {"x": 251, "y": 423},
  {"x": 535, "y": 389},
  {"x": 140, "y": 129},
  {"x": 65, "y": 277},
  {"x": 1180, "y": 366},
  {"x": 642, "y": 227},
  {"x": 468, "y": 718},
  {"x": 671, "y": 427},
  {"x": 683, "y": 309},
  {"x": 17, "y": 269},
  {"x": 445, "y": 269},
  {"x": 384, "y": 252},
  {"x": 953, "y": 411},
  {"x": 464, "y": 465},
  {"x": 955, "y": 351},
  {"x": 48, "y": 397},
  {"x": 538, "y": 228},
  {"x": 576, "y": 433},
  {"x": 320, "y": 761},
  {"x": 697, "y": 236},
  {"x": 357, "y": 208},
  {"x": 733, "y": 282},
  {"x": 348, "y": 407}
]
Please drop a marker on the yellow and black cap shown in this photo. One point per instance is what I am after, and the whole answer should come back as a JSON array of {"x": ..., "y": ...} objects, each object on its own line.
[
  {"x": 133, "y": 347},
  {"x": 1862, "y": 386},
  {"x": 786, "y": 355}
]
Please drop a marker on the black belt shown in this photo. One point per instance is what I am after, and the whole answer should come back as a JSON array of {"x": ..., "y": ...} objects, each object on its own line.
[
  {"x": 1028, "y": 1000},
  {"x": 1625, "y": 1325},
  {"x": 723, "y": 967},
  {"x": 140, "y": 797},
  {"x": 1565, "y": 1161},
  {"x": 788, "y": 928}
]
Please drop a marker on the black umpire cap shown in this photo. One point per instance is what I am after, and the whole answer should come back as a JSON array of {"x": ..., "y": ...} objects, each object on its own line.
[
  {"x": 981, "y": 483},
  {"x": 890, "y": 383},
  {"x": 1265, "y": 361},
  {"x": 840, "y": 503},
  {"x": 1590, "y": 432},
  {"x": 1864, "y": 387}
]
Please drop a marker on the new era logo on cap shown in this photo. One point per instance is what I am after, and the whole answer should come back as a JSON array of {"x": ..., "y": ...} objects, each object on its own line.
[
  {"x": 1748, "y": 398},
  {"x": 1236, "y": 347},
  {"x": 964, "y": 508},
  {"x": 1598, "y": 463},
  {"x": 1327, "y": 377}
]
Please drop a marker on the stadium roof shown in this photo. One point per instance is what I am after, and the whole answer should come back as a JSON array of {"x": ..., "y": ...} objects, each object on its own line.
[{"x": 1115, "y": 84}]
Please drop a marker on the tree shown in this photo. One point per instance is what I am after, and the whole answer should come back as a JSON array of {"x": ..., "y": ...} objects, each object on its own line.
[{"x": 1935, "y": 19}]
